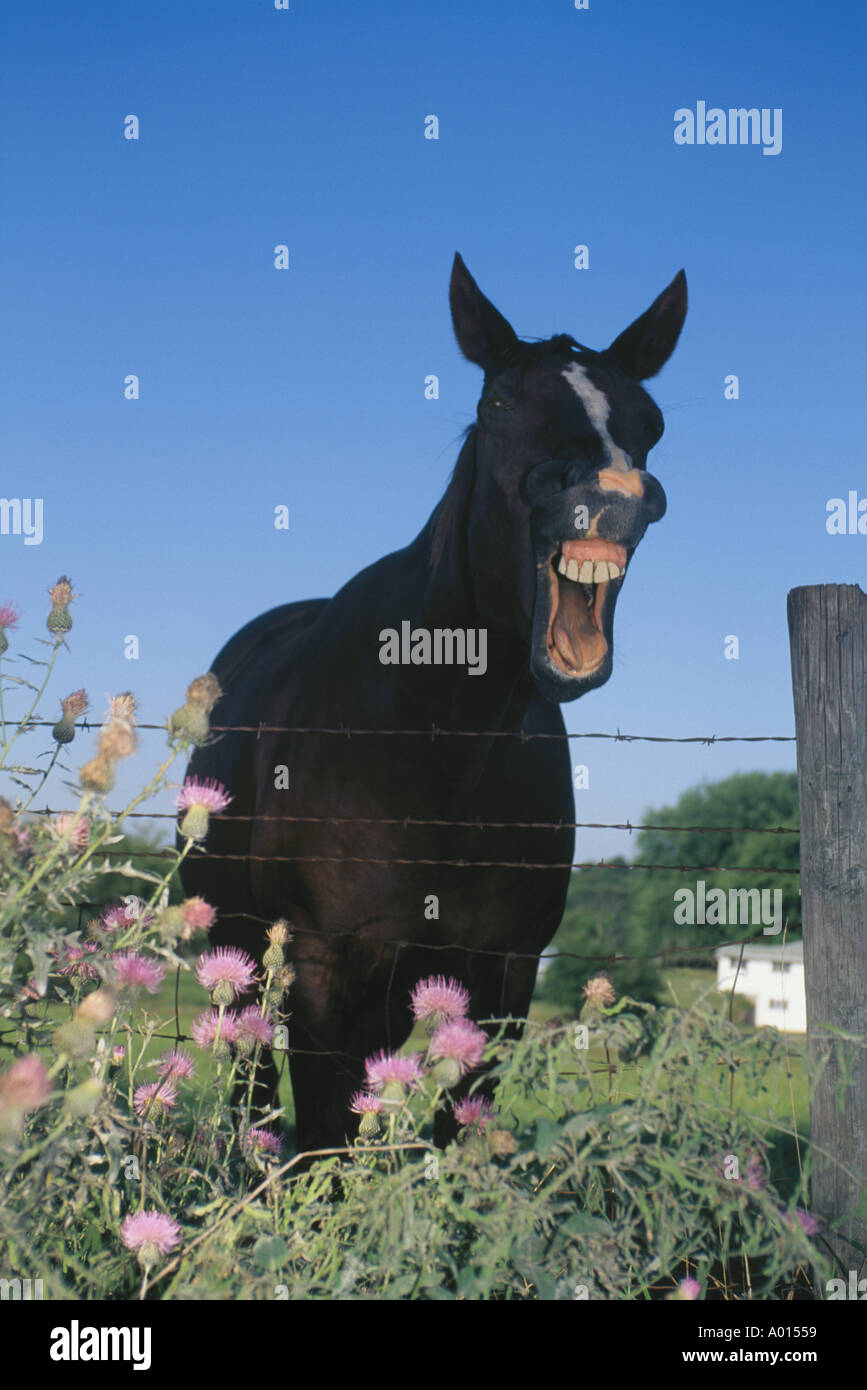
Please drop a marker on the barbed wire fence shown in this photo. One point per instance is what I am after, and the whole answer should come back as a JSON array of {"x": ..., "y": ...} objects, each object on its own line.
[
  {"x": 665, "y": 955},
  {"x": 828, "y": 641}
]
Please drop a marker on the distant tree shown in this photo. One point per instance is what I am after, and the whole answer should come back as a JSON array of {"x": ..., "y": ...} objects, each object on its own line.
[
  {"x": 630, "y": 912},
  {"x": 756, "y": 799},
  {"x": 601, "y": 921}
]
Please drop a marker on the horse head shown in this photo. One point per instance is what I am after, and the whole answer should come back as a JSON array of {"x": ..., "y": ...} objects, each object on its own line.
[{"x": 557, "y": 491}]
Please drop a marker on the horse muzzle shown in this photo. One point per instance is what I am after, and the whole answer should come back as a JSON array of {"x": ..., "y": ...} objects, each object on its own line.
[{"x": 584, "y": 528}]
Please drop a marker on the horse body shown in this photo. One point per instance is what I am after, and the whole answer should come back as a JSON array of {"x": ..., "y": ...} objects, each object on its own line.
[{"x": 368, "y": 926}]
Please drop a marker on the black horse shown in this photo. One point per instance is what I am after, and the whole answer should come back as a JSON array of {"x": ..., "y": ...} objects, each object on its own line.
[{"x": 501, "y": 608}]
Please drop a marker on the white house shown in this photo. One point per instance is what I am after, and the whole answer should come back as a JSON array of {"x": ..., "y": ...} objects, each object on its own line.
[{"x": 772, "y": 977}]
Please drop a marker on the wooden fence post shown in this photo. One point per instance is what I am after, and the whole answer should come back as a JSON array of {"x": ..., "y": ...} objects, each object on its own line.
[{"x": 828, "y": 639}]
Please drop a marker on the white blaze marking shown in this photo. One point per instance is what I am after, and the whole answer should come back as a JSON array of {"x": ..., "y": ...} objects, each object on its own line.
[{"x": 595, "y": 402}]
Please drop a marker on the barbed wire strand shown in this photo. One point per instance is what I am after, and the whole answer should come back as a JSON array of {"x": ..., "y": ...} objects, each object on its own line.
[
  {"x": 436, "y": 732},
  {"x": 407, "y": 821},
  {"x": 461, "y": 863}
]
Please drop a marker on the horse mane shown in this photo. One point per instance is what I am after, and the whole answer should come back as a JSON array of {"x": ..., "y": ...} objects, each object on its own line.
[{"x": 455, "y": 500}]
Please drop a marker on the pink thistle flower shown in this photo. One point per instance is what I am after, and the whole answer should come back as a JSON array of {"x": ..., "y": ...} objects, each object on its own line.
[
  {"x": 9, "y": 616},
  {"x": 150, "y": 1229},
  {"x": 176, "y": 1065},
  {"x": 688, "y": 1289},
  {"x": 118, "y": 1052},
  {"x": 205, "y": 1028},
  {"x": 122, "y": 915},
  {"x": 439, "y": 999},
  {"x": 474, "y": 1110},
  {"x": 211, "y": 795},
  {"x": 460, "y": 1041},
  {"x": 197, "y": 915},
  {"x": 153, "y": 1097},
  {"x": 810, "y": 1225},
  {"x": 25, "y": 1085},
  {"x": 78, "y": 827},
  {"x": 77, "y": 962},
  {"x": 263, "y": 1141},
  {"x": 253, "y": 1028},
  {"x": 363, "y": 1103},
  {"x": 135, "y": 971},
  {"x": 226, "y": 972},
  {"x": 386, "y": 1067},
  {"x": 200, "y": 800},
  {"x": 757, "y": 1178}
]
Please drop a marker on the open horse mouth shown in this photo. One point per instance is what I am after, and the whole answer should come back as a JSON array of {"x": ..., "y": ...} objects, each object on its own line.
[
  {"x": 578, "y": 581},
  {"x": 580, "y": 576}
]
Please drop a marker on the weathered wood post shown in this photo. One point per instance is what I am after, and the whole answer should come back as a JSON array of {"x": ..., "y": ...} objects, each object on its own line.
[{"x": 828, "y": 639}]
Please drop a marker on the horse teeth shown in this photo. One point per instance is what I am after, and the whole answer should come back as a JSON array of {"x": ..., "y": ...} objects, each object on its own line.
[{"x": 589, "y": 571}]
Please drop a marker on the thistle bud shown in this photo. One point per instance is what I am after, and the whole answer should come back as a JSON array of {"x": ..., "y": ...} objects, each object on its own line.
[
  {"x": 58, "y": 621},
  {"x": 98, "y": 774},
  {"x": 189, "y": 724},
  {"x": 393, "y": 1096},
  {"x": 83, "y": 1099},
  {"x": 223, "y": 993},
  {"x": 73, "y": 705},
  {"x": 501, "y": 1142},
  {"x": 75, "y": 1039},
  {"x": 283, "y": 980},
  {"x": 368, "y": 1126},
  {"x": 273, "y": 957},
  {"x": 446, "y": 1073},
  {"x": 97, "y": 1007},
  {"x": 171, "y": 922}
]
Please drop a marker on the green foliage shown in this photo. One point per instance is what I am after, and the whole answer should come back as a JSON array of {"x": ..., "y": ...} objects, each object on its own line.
[
  {"x": 758, "y": 799},
  {"x": 600, "y": 921},
  {"x": 630, "y": 912},
  {"x": 596, "y": 1193},
  {"x": 624, "y": 1152}
]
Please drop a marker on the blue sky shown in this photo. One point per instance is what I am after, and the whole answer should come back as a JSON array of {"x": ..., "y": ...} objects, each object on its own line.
[{"x": 306, "y": 387}]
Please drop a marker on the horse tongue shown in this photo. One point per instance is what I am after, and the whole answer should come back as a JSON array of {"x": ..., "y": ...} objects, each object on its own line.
[{"x": 578, "y": 641}]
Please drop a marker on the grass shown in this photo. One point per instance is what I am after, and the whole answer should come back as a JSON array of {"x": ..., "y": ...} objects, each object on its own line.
[{"x": 781, "y": 1102}]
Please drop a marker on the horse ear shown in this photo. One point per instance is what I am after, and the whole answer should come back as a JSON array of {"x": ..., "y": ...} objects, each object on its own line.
[
  {"x": 646, "y": 345},
  {"x": 483, "y": 334}
]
